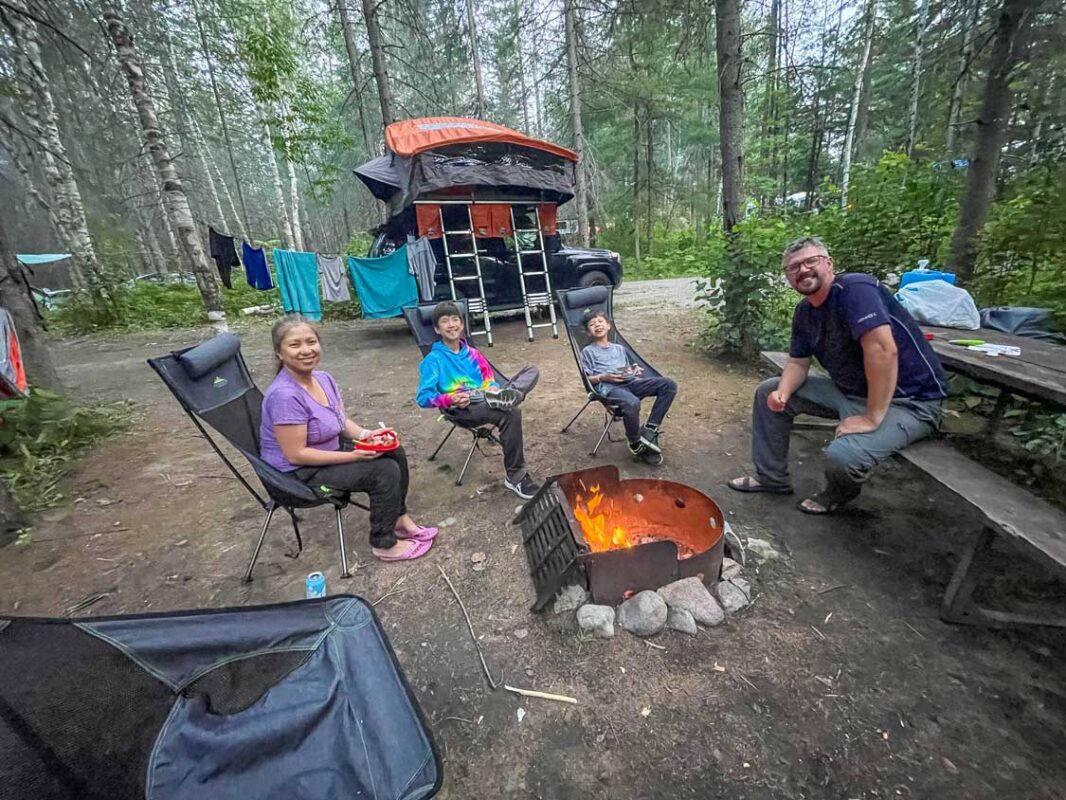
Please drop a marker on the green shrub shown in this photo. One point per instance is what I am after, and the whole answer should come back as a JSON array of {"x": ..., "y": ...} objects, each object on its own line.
[{"x": 42, "y": 437}]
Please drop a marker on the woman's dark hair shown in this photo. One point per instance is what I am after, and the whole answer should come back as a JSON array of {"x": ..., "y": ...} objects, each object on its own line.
[
  {"x": 282, "y": 327},
  {"x": 445, "y": 308}
]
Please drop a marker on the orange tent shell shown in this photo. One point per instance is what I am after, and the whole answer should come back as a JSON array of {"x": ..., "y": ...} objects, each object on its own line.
[{"x": 413, "y": 136}]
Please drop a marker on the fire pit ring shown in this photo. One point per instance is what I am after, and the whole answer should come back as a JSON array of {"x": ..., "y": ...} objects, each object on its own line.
[{"x": 617, "y": 537}]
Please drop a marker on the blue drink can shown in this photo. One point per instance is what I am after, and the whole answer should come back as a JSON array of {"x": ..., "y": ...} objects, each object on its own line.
[{"x": 316, "y": 585}]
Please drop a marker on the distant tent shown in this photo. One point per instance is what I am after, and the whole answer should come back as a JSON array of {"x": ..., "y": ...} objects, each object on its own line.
[
  {"x": 433, "y": 157},
  {"x": 32, "y": 259}
]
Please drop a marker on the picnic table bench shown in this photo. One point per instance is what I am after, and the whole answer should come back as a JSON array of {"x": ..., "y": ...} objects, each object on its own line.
[{"x": 1032, "y": 525}]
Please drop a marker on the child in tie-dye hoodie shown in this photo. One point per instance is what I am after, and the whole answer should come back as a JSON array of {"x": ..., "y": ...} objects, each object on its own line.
[{"x": 457, "y": 379}]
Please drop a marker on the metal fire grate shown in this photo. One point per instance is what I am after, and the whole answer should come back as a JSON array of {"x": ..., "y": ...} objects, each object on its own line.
[
  {"x": 547, "y": 536},
  {"x": 557, "y": 552}
]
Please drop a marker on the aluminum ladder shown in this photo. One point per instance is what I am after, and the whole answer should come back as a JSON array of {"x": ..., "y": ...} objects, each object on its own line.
[
  {"x": 475, "y": 303},
  {"x": 534, "y": 300}
]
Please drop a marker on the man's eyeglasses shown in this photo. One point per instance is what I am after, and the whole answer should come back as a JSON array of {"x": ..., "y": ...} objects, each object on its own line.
[{"x": 807, "y": 263}]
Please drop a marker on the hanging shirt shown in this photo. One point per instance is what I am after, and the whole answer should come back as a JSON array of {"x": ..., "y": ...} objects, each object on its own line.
[
  {"x": 422, "y": 264},
  {"x": 286, "y": 402},
  {"x": 298, "y": 281},
  {"x": 255, "y": 267},
  {"x": 224, "y": 253},
  {"x": 334, "y": 284},
  {"x": 384, "y": 284}
]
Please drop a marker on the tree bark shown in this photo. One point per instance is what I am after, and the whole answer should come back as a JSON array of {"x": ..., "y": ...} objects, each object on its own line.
[
  {"x": 856, "y": 101},
  {"x": 39, "y": 109},
  {"x": 355, "y": 71},
  {"x": 221, "y": 115},
  {"x": 730, "y": 109},
  {"x": 581, "y": 191},
  {"x": 279, "y": 188},
  {"x": 294, "y": 201},
  {"x": 970, "y": 20},
  {"x": 377, "y": 58},
  {"x": 520, "y": 50},
  {"x": 916, "y": 76},
  {"x": 475, "y": 61},
  {"x": 1008, "y": 51},
  {"x": 16, "y": 297},
  {"x": 177, "y": 203}
]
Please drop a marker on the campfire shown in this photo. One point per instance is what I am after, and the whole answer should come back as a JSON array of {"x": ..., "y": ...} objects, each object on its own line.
[{"x": 618, "y": 537}]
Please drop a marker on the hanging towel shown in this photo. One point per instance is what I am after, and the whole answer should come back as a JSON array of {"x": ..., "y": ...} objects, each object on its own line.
[
  {"x": 334, "y": 284},
  {"x": 255, "y": 267},
  {"x": 383, "y": 284},
  {"x": 428, "y": 217},
  {"x": 224, "y": 252},
  {"x": 298, "y": 281},
  {"x": 422, "y": 264}
]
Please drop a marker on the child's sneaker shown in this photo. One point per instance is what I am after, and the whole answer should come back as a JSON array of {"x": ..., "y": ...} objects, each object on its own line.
[
  {"x": 649, "y": 437},
  {"x": 503, "y": 399},
  {"x": 637, "y": 449},
  {"x": 525, "y": 488}
]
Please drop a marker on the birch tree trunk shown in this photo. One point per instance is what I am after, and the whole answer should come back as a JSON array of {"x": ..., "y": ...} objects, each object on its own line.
[
  {"x": 581, "y": 192},
  {"x": 355, "y": 71},
  {"x": 1008, "y": 52},
  {"x": 730, "y": 109},
  {"x": 475, "y": 61},
  {"x": 916, "y": 76},
  {"x": 39, "y": 109},
  {"x": 377, "y": 58},
  {"x": 279, "y": 188},
  {"x": 856, "y": 101},
  {"x": 221, "y": 115},
  {"x": 970, "y": 20},
  {"x": 294, "y": 200},
  {"x": 521, "y": 65},
  {"x": 177, "y": 203}
]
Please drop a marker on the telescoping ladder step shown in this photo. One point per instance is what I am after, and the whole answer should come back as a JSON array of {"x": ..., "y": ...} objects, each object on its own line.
[
  {"x": 453, "y": 259},
  {"x": 534, "y": 300}
]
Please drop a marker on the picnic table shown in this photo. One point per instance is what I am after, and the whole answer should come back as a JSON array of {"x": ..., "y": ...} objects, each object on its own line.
[{"x": 1038, "y": 373}]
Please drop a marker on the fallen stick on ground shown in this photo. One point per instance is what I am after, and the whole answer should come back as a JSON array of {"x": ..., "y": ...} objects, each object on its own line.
[
  {"x": 561, "y": 698},
  {"x": 473, "y": 636}
]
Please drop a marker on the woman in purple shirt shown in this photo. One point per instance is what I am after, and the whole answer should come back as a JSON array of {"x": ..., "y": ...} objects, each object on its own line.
[{"x": 305, "y": 431}]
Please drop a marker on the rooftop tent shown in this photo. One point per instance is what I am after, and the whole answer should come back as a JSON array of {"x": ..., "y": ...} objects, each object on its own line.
[
  {"x": 47, "y": 270},
  {"x": 432, "y": 156}
]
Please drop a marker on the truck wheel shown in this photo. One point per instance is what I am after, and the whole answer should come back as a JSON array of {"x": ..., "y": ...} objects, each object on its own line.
[{"x": 594, "y": 278}]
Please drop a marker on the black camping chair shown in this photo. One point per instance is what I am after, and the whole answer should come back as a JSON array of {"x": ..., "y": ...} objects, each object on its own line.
[
  {"x": 420, "y": 321},
  {"x": 213, "y": 385},
  {"x": 574, "y": 303}
]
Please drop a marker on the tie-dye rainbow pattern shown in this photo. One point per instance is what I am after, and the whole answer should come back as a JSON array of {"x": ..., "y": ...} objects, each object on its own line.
[{"x": 443, "y": 372}]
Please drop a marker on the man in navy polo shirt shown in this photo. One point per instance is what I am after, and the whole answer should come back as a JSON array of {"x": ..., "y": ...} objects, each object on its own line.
[{"x": 885, "y": 383}]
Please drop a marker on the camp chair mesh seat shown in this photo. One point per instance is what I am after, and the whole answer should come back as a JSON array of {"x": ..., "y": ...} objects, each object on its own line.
[
  {"x": 420, "y": 321},
  {"x": 212, "y": 383},
  {"x": 574, "y": 303}
]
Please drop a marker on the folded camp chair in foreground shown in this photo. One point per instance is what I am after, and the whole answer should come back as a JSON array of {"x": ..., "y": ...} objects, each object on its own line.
[
  {"x": 303, "y": 701},
  {"x": 574, "y": 303},
  {"x": 420, "y": 321},
  {"x": 213, "y": 385}
]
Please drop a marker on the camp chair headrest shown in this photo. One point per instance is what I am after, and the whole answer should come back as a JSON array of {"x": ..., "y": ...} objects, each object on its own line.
[
  {"x": 425, "y": 315},
  {"x": 590, "y": 296},
  {"x": 207, "y": 356}
]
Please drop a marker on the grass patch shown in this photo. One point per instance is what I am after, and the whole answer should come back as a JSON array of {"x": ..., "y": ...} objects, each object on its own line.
[{"x": 42, "y": 438}]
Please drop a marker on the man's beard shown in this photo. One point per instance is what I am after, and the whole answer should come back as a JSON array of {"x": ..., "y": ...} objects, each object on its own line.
[{"x": 808, "y": 285}]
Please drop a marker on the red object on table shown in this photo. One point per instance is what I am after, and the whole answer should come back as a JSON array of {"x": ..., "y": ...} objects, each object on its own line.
[{"x": 929, "y": 337}]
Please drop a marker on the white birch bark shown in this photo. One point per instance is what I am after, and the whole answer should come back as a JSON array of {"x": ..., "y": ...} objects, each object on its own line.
[
  {"x": 856, "y": 101},
  {"x": 916, "y": 76},
  {"x": 279, "y": 187},
  {"x": 39, "y": 109},
  {"x": 177, "y": 203}
]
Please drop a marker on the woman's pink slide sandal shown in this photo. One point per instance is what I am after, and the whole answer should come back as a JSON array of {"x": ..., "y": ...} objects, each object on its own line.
[
  {"x": 423, "y": 534},
  {"x": 420, "y": 548}
]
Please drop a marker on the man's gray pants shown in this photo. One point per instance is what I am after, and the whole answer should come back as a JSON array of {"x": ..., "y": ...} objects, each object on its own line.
[{"x": 849, "y": 458}]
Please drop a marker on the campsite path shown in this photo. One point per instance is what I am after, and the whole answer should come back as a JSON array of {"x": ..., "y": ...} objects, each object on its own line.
[{"x": 839, "y": 682}]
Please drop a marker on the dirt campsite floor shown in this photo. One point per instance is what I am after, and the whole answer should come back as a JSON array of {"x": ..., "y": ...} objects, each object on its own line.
[{"x": 840, "y": 681}]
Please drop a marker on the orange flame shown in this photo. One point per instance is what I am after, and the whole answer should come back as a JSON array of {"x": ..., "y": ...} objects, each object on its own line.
[{"x": 599, "y": 532}]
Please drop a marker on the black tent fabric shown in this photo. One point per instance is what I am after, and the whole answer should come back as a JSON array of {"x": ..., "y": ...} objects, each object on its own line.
[
  {"x": 296, "y": 700},
  {"x": 399, "y": 180}
]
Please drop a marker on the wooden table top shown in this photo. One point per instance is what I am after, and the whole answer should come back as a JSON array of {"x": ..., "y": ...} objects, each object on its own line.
[{"x": 1039, "y": 372}]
